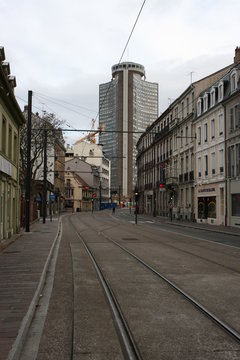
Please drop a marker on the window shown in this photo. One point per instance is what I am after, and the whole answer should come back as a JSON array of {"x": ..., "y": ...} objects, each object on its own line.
[
  {"x": 234, "y": 118},
  {"x": 187, "y": 105},
  {"x": 199, "y": 167},
  {"x": 213, "y": 161},
  {"x": 192, "y": 101},
  {"x": 181, "y": 197},
  {"x": 182, "y": 162},
  {"x": 186, "y": 197},
  {"x": 221, "y": 161},
  {"x": 234, "y": 81},
  {"x": 199, "y": 107},
  {"x": 206, "y": 165},
  {"x": 181, "y": 138},
  {"x": 238, "y": 115},
  {"x": 205, "y": 102},
  {"x": 205, "y": 132},
  {"x": 4, "y": 127},
  {"x": 199, "y": 135},
  {"x": 212, "y": 128},
  {"x": 182, "y": 109},
  {"x": 175, "y": 142},
  {"x": 220, "y": 123},
  {"x": 192, "y": 161},
  {"x": 231, "y": 120},
  {"x": 192, "y": 137},
  {"x": 186, "y": 135},
  {"x": 238, "y": 159},
  {"x": 236, "y": 204},
  {"x": 176, "y": 112},
  {"x": 10, "y": 143},
  {"x": 220, "y": 91},
  {"x": 186, "y": 163},
  {"x": 15, "y": 149},
  {"x": 212, "y": 97}
]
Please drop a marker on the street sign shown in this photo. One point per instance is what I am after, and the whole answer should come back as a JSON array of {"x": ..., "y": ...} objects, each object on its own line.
[{"x": 52, "y": 197}]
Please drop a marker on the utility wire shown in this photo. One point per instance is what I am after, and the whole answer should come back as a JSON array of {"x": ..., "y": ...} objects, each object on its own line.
[
  {"x": 65, "y": 107},
  {"x": 139, "y": 13},
  {"x": 132, "y": 31},
  {"x": 65, "y": 102}
]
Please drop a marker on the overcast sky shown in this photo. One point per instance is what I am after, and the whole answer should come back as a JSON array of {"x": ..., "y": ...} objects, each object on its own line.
[{"x": 65, "y": 49}]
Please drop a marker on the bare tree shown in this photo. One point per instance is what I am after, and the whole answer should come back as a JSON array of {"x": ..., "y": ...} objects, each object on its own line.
[{"x": 52, "y": 124}]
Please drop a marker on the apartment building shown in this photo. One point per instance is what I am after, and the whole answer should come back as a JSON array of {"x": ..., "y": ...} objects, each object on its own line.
[
  {"x": 11, "y": 119},
  {"x": 93, "y": 154},
  {"x": 217, "y": 151},
  {"x": 166, "y": 157},
  {"x": 232, "y": 113}
]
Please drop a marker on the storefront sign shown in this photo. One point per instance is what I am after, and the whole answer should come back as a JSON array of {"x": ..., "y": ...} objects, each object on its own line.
[
  {"x": 5, "y": 166},
  {"x": 206, "y": 190}
]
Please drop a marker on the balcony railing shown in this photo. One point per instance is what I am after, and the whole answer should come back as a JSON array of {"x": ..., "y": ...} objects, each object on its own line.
[{"x": 191, "y": 175}]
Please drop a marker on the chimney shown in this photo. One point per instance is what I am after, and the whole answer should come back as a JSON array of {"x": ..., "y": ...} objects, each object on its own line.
[{"x": 237, "y": 55}]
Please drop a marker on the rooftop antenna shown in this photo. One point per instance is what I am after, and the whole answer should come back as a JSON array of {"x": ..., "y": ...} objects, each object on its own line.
[
  {"x": 191, "y": 74},
  {"x": 170, "y": 100}
]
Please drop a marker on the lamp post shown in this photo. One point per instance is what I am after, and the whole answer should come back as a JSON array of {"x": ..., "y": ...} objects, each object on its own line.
[{"x": 136, "y": 206}]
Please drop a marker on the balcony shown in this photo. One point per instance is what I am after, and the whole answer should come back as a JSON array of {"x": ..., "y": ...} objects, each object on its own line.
[
  {"x": 171, "y": 180},
  {"x": 162, "y": 133}
]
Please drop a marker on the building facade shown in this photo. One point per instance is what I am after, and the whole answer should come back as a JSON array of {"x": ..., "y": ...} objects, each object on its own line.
[
  {"x": 11, "y": 119},
  {"x": 93, "y": 154},
  {"x": 82, "y": 189},
  {"x": 127, "y": 105},
  {"x": 217, "y": 151},
  {"x": 167, "y": 152}
]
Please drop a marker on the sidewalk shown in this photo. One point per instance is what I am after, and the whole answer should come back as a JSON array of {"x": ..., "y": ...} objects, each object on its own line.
[
  {"x": 201, "y": 226},
  {"x": 23, "y": 267}
]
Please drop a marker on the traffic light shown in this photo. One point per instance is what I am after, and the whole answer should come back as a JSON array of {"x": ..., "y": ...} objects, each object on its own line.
[{"x": 162, "y": 186}]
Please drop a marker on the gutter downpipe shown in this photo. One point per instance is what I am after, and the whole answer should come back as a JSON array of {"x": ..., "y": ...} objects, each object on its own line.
[{"x": 226, "y": 168}]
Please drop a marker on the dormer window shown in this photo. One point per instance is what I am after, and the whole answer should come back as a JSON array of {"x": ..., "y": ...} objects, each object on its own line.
[
  {"x": 199, "y": 107},
  {"x": 233, "y": 79},
  {"x": 220, "y": 91},
  {"x": 205, "y": 102},
  {"x": 212, "y": 97}
]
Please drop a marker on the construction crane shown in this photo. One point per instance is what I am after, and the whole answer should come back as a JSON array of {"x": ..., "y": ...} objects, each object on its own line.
[{"x": 91, "y": 136}]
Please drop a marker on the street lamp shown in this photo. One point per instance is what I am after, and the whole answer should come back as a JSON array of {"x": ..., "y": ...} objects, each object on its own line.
[{"x": 136, "y": 206}]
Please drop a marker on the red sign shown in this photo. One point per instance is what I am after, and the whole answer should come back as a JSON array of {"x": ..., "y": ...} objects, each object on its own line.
[
  {"x": 86, "y": 187},
  {"x": 94, "y": 195}
]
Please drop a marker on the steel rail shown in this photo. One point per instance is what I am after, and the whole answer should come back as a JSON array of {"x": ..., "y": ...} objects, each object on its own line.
[
  {"x": 127, "y": 341},
  {"x": 228, "y": 329},
  {"x": 73, "y": 306}
]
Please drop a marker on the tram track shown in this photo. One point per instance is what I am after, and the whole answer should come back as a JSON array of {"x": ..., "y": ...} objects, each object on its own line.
[
  {"x": 126, "y": 339},
  {"x": 221, "y": 324}
]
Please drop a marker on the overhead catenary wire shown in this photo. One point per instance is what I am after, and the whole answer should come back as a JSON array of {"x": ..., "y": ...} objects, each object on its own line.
[
  {"x": 125, "y": 47},
  {"x": 64, "y": 101}
]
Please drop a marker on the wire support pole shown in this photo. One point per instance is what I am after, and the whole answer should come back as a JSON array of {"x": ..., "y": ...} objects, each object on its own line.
[
  {"x": 28, "y": 172},
  {"x": 44, "y": 177}
]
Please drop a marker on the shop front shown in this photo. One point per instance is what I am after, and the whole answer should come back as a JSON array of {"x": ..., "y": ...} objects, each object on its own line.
[
  {"x": 210, "y": 204},
  {"x": 234, "y": 203}
]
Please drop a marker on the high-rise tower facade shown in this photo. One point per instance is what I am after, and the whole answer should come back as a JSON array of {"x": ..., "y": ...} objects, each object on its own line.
[{"x": 127, "y": 105}]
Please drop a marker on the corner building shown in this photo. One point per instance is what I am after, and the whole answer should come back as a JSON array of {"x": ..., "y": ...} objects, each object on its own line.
[{"x": 127, "y": 105}]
